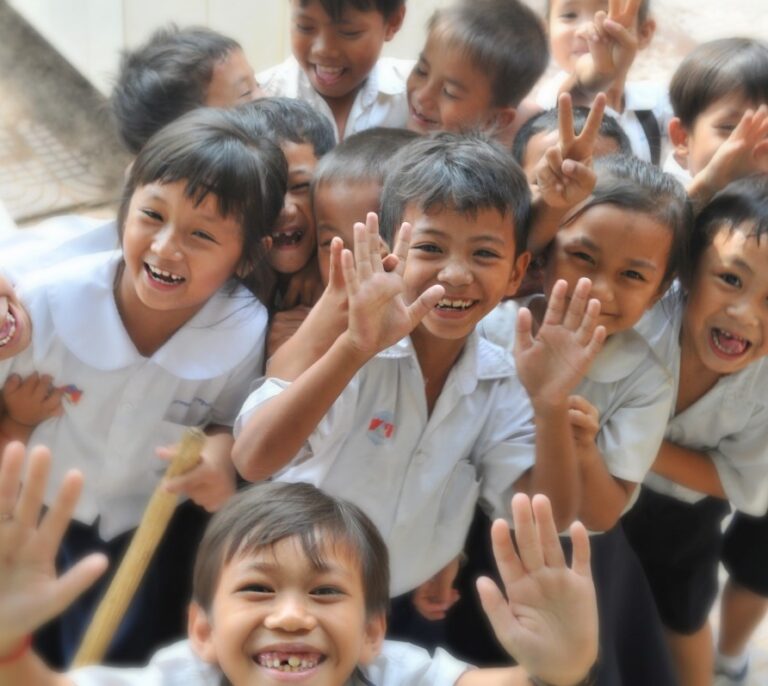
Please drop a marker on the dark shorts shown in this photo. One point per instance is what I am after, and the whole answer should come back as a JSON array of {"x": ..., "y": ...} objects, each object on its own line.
[
  {"x": 679, "y": 547},
  {"x": 745, "y": 552}
]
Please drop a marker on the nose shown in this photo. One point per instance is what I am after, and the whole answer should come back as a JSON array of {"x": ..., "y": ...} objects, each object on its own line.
[
  {"x": 323, "y": 45},
  {"x": 743, "y": 312},
  {"x": 288, "y": 213},
  {"x": 602, "y": 289},
  {"x": 423, "y": 96},
  {"x": 166, "y": 244},
  {"x": 290, "y": 614},
  {"x": 456, "y": 273}
]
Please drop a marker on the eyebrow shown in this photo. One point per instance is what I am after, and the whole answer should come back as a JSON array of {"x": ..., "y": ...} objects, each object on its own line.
[
  {"x": 475, "y": 239},
  {"x": 635, "y": 262},
  {"x": 738, "y": 262}
]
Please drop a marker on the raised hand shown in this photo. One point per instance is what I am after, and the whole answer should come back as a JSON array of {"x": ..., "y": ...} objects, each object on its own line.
[
  {"x": 30, "y": 592},
  {"x": 553, "y": 362},
  {"x": 378, "y": 313},
  {"x": 548, "y": 619},
  {"x": 32, "y": 400}
]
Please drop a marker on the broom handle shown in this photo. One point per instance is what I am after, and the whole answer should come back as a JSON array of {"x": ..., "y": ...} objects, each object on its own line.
[{"x": 121, "y": 590}]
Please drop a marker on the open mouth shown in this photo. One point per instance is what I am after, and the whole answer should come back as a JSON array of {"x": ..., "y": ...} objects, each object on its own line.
[
  {"x": 287, "y": 239},
  {"x": 729, "y": 344},
  {"x": 289, "y": 662},
  {"x": 162, "y": 276},
  {"x": 454, "y": 305},
  {"x": 420, "y": 119},
  {"x": 328, "y": 76},
  {"x": 8, "y": 329}
]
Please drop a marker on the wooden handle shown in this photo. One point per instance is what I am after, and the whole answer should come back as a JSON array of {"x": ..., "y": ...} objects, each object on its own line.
[{"x": 121, "y": 590}]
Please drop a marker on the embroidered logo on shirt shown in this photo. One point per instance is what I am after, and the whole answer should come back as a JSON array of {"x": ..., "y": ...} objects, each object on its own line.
[
  {"x": 381, "y": 428},
  {"x": 71, "y": 393}
]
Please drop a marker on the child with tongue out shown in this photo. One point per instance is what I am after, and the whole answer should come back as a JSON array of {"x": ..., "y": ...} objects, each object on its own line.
[{"x": 713, "y": 336}]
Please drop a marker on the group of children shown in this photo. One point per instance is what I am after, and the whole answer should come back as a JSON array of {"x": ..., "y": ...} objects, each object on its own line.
[{"x": 407, "y": 286}]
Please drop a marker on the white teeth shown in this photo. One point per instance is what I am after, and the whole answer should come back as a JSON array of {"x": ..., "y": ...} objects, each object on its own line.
[
  {"x": 454, "y": 304},
  {"x": 328, "y": 71},
  {"x": 291, "y": 663},
  {"x": 164, "y": 275},
  {"x": 10, "y": 325}
]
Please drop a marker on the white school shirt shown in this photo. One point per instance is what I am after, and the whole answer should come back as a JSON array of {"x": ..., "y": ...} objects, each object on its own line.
[
  {"x": 381, "y": 101},
  {"x": 729, "y": 423},
  {"x": 419, "y": 477},
  {"x": 398, "y": 664},
  {"x": 628, "y": 385},
  {"x": 119, "y": 406},
  {"x": 56, "y": 240},
  {"x": 638, "y": 95}
]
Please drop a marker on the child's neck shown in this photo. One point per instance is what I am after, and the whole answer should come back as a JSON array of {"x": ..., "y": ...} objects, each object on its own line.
[
  {"x": 436, "y": 358},
  {"x": 695, "y": 380},
  {"x": 340, "y": 109}
]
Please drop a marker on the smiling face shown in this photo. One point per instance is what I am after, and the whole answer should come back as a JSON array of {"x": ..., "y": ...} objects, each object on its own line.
[
  {"x": 338, "y": 205},
  {"x": 177, "y": 254},
  {"x": 472, "y": 257},
  {"x": 276, "y": 618},
  {"x": 232, "y": 82},
  {"x": 725, "y": 325},
  {"x": 623, "y": 252},
  {"x": 15, "y": 325},
  {"x": 445, "y": 91},
  {"x": 293, "y": 238},
  {"x": 338, "y": 56}
]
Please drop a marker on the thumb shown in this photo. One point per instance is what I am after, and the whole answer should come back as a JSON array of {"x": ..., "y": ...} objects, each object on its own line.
[
  {"x": 424, "y": 303},
  {"x": 75, "y": 582},
  {"x": 496, "y": 609}
]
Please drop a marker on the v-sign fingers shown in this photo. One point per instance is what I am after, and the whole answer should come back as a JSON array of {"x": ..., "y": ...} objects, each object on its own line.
[
  {"x": 584, "y": 143},
  {"x": 565, "y": 122}
]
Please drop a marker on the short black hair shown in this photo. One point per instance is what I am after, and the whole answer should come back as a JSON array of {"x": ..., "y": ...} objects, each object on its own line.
[
  {"x": 504, "y": 39},
  {"x": 546, "y": 121},
  {"x": 164, "y": 78},
  {"x": 335, "y": 8},
  {"x": 289, "y": 120},
  {"x": 715, "y": 69},
  {"x": 465, "y": 173},
  {"x": 742, "y": 204},
  {"x": 213, "y": 152},
  {"x": 633, "y": 184}
]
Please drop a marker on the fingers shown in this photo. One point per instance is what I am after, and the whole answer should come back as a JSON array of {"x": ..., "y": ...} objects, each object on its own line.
[
  {"x": 58, "y": 516},
  {"x": 523, "y": 330},
  {"x": 348, "y": 270},
  {"x": 584, "y": 143},
  {"x": 565, "y": 120},
  {"x": 426, "y": 302},
  {"x": 547, "y": 531},
  {"x": 556, "y": 304},
  {"x": 503, "y": 622},
  {"x": 402, "y": 245},
  {"x": 507, "y": 560},
  {"x": 580, "y": 562},
  {"x": 10, "y": 477},
  {"x": 526, "y": 534},
  {"x": 33, "y": 488},
  {"x": 12, "y": 383},
  {"x": 577, "y": 316},
  {"x": 335, "y": 273},
  {"x": 372, "y": 225},
  {"x": 362, "y": 252},
  {"x": 77, "y": 580}
]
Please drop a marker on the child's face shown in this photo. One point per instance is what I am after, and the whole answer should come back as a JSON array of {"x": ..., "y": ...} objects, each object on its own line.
[
  {"x": 625, "y": 254},
  {"x": 446, "y": 92},
  {"x": 569, "y": 21},
  {"x": 472, "y": 257},
  {"x": 293, "y": 238},
  {"x": 540, "y": 142},
  {"x": 696, "y": 146},
  {"x": 338, "y": 56},
  {"x": 177, "y": 254},
  {"x": 276, "y": 618},
  {"x": 337, "y": 207},
  {"x": 232, "y": 82},
  {"x": 15, "y": 325},
  {"x": 725, "y": 325}
]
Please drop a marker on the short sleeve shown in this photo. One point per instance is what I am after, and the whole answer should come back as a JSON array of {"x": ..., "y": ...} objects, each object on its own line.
[{"x": 403, "y": 664}]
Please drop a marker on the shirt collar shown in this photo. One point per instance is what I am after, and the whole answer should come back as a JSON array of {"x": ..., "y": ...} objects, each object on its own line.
[
  {"x": 621, "y": 354},
  {"x": 85, "y": 317}
]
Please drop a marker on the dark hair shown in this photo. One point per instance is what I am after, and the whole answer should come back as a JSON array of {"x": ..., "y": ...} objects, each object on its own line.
[
  {"x": 464, "y": 173},
  {"x": 546, "y": 121},
  {"x": 266, "y": 513},
  {"x": 633, "y": 184},
  {"x": 715, "y": 69},
  {"x": 642, "y": 13},
  {"x": 213, "y": 152},
  {"x": 289, "y": 119},
  {"x": 742, "y": 204},
  {"x": 164, "y": 78},
  {"x": 504, "y": 39},
  {"x": 335, "y": 8}
]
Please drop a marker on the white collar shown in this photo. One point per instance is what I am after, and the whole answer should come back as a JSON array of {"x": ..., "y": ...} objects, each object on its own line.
[
  {"x": 80, "y": 298},
  {"x": 621, "y": 355}
]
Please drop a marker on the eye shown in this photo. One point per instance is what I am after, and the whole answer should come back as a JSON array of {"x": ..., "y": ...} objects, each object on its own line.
[
  {"x": 303, "y": 28},
  {"x": 351, "y": 34},
  {"x": 486, "y": 253},
  {"x": 427, "y": 248},
  {"x": 568, "y": 15},
  {"x": 634, "y": 275},
  {"x": 199, "y": 233},
  {"x": 151, "y": 214},
  {"x": 449, "y": 94},
  {"x": 730, "y": 279},
  {"x": 419, "y": 70},
  {"x": 327, "y": 591},
  {"x": 583, "y": 257},
  {"x": 299, "y": 187},
  {"x": 256, "y": 589}
]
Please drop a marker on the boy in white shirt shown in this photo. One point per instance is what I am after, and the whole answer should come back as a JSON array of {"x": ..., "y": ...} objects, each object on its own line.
[
  {"x": 292, "y": 585},
  {"x": 336, "y": 64}
]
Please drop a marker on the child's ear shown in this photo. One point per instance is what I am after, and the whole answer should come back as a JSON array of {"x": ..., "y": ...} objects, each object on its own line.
[
  {"x": 200, "y": 633},
  {"x": 501, "y": 124},
  {"x": 678, "y": 136},
  {"x": 519, "y": 267},
  {"x": 394, "y": 23},
  {"x": 375, "y": 629},
  {"x": 645, "y": 33}
]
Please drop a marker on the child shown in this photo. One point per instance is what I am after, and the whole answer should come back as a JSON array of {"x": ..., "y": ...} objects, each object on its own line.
[
  {"x": 719, "y": 96},
  {"x": 541, "y": 131},
  {"x": 405, "y": 414},
  {"x": 291, "y": 584},
  {"x": 480, "y": 60},
  {"x": 594, "y": 52},
  {"x": 628, "y": 239},
  {"x": 713, "y": 341},
  {"x": 165, "y": 335},
  {"x": 345, "y": 187},
  {"x": 175, "y": 71},
  {"x": 336, "y": 65}
]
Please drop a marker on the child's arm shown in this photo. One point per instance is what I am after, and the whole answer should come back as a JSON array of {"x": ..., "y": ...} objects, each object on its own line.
[
  {"x": 283, "y": 325},
  {"x": 27, "y": 403},
  {"x": 548, "y": 620},
  {"x": 689, "y": 468},
  {"x": 378, "y": 318},
  {"x": 550, "y": 365},
  {"x": 744, "y": 152},
  {"x": 30, "y": 592},
  {"x": 564, "y": 176}
]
